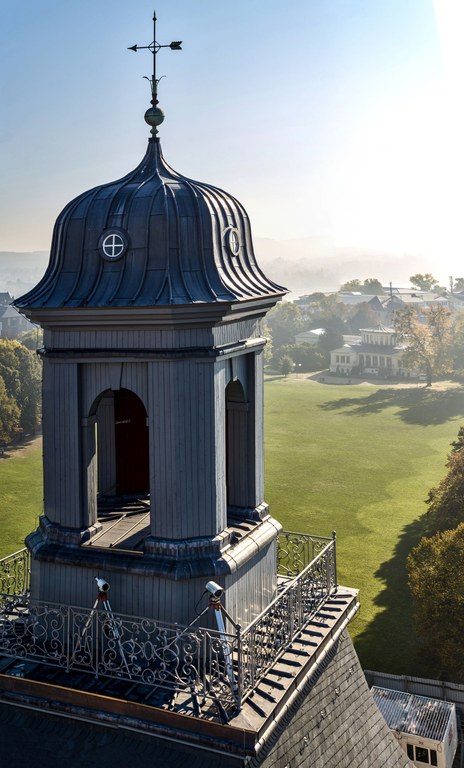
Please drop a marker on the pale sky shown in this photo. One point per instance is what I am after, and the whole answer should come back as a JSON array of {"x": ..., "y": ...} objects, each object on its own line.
[{"x": 340, "y": 119}]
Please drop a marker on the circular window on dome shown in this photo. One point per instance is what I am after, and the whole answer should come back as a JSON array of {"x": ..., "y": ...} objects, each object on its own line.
[
  {"x": 113, "y": 244},
  {"x": 232, "y": 241}
]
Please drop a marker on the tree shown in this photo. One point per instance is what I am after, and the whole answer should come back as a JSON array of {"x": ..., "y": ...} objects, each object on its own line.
[
  {"x": 428, "y": 345},
  {"x": 20, "y": 370},
  {"x": 32, "y": 339},
  {"x": 286, "y": 365},
  {"x": 9, "y": 368},
  {"x": 458, "y": 343},
  {"x": 29, "y": 399},
  {"x": 458, "y": 284},
  {"x": 373, "y": 286},
  {"x": 364, "y": 316},
  {"x": 423, "y": 282},
  {"x": 370, "y": 285},
  {"x": 285, "y": 321},
  {"x": 268, "y": 349},
  {"x": 305, "y": 357},
  {"x": 446, "y": 501},
  {"x": 9, "y": 415},
  {"x": 457, "y": 444},
  {"x": 436, "y": 580},
  {"x": 329, "y": 340},
  {"x": 352, "y": 286}
]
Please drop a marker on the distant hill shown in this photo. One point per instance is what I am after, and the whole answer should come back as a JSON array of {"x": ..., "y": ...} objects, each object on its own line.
[
  {"x": 19, "y": 272},
  {"x": 313, "y": 264},
  {"x": 301, "y": 265}
]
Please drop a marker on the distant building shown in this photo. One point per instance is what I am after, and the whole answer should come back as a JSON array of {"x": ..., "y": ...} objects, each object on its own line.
[
  {"x": 12, "y": 324},
  {"x": 375, "y": 352},
  {"x": 310, "y": 337},
  {"x": 425, "y": 728}
]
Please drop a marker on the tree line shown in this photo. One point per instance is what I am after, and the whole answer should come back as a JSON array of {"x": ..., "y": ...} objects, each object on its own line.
[
  {"x": 20, "y": 389},
  {"x": 436, "y": 573}
]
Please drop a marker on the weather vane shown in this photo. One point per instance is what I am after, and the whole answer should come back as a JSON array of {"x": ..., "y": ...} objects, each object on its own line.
[{"x": 155, "y": 116}]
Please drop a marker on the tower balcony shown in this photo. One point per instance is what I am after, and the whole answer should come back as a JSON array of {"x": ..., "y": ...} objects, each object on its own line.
[{"x": 218, "y": 675}]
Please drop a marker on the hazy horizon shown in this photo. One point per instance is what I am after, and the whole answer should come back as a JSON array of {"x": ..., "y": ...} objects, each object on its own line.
[
  {"x": 337, "y": 120},
  {"x": 303, "y": 265}
]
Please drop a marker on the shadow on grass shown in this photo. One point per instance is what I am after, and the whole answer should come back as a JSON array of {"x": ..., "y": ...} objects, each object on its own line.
[
  {"x": 389, "y": 642},
  {"x": 9, "y": 451},
  {"x": 275, "y": 377},
  {"x": 415, "y": 406}
]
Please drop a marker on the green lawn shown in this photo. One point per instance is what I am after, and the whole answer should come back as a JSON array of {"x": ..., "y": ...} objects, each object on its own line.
[
  {"x": 360, "y": 460},
  {"x": 20, "y": 495},
  {"x": 357, "y": 459}
]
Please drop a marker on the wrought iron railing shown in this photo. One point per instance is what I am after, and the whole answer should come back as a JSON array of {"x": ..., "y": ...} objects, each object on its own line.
[
  {"x": 296, "y": 550},
  {"x": 191, "y": 660},
  {"x": 15, "y": 573},
  {"x": 202, "y": 663},
  {"x": 272, "y": 632}
]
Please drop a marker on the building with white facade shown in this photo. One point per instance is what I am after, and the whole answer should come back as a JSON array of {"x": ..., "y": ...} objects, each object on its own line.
[{"x": 375, "y": 352}]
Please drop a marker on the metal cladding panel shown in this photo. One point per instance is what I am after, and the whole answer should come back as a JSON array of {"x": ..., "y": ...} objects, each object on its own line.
[
  {"x": 61, "y": 446},
  {"x": 252, "y": 587},
  {"x": 106, "y": 446},
  {"x": 187, "y": 501},
  {"x": 229, "y": 333},
  {"x": 178, "y": 245},
  {"x": 98, "y": 378},
  {"x": 167, "y": 600},
  {"x": 257, "y": 426},
  {"x": 128, "y": 339},
  {"x": 245, "y": 416}
]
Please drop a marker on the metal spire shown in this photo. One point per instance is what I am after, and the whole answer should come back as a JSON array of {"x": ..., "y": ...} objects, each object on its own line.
[{"x": 155, "y": 116}]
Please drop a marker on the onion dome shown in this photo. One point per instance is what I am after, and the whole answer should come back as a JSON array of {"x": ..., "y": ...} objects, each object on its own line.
[{"x": 152, "y": 238}]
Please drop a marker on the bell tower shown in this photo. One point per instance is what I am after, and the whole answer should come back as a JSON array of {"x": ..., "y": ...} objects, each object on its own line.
[
  {"x": 153, "y": 397},
  {"x": 152, "y": 308}
]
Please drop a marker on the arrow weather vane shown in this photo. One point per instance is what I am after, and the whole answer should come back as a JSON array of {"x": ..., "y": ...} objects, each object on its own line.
[{"x": 155, "y": 116}]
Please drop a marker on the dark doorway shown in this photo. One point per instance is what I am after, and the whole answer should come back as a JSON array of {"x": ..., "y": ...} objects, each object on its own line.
[{"x": 131, "y": 438}]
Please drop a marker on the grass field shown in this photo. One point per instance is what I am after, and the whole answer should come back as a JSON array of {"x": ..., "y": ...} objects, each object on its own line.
[
  {"x": 20, "y": 494},
  {"x": 358, "y": 459}
]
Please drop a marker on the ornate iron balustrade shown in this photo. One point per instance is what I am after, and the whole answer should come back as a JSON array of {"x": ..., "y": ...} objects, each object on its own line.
[
  {"x": 201, "y": 663},
  {"x": 271, "y": 633},
  {"x": 296, "y": 550},
  {"x": 190, "y": 660},
  {"x": 15, "y": 573}
]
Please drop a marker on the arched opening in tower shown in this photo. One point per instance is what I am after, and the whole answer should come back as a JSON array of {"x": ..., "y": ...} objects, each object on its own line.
[
  {"x": 131, "y": 444},
  {"x": 116, "y": 461},
  {"x": 123, "y": 463}
]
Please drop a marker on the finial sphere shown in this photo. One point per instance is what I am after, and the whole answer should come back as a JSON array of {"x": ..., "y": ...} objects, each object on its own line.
[{"x": 154, "y": 116}]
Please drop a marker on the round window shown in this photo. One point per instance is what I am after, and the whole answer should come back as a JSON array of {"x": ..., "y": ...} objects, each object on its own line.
[
  {"x": 113, "y": 244},
  {"x": 233, "y": 241}
]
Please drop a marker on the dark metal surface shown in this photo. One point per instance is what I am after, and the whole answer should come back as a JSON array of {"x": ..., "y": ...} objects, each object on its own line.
[{"x": 179, "y": 252}]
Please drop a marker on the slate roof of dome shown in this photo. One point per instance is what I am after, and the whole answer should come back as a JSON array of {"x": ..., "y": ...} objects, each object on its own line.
[{"x": 180, "y": 242}]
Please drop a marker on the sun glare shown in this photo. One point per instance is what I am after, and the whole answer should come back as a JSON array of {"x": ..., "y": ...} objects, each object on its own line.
[{"x": 400, "y": 184}]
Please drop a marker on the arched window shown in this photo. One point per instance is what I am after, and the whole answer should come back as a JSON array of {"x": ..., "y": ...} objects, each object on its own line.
[
  {"x": 116, "y": 469},
  {"x": 123, "y": 465}
]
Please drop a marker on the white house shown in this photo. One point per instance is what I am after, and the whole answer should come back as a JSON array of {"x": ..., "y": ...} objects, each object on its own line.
[{"x": 374, "y": 352}]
